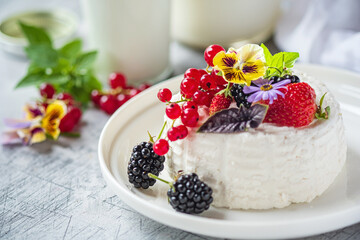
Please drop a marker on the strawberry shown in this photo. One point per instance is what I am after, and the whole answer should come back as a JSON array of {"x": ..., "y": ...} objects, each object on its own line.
[
  {"x": 219, "y": 102},
  {"x": 296, "y": 109}
]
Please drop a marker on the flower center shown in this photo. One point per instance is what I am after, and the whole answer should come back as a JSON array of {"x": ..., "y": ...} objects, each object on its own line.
[{"x": 266, "y": 87}]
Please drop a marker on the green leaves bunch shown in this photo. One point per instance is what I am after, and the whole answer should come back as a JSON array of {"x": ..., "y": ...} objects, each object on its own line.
[
  {"x": 68, "y": 69},
  {"x": 279, "y": 64}
]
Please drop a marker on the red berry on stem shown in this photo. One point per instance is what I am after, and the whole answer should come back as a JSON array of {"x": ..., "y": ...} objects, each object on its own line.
[
  {"x": 66, "y": 97},
  {"x": 210, "y": 53},
  {"x": 47, "y": 90},
  {"x": 134, "y": 92},
  {"x": 203, "y": 98},
  {"x": 95, "y": 96},
  {"x": 173, "y": 134},
  {"x": 207, "y": 82},
  {"x": 75, "y": 113},
  {"x": 194, "y": 73},
  {"x": 161, "y": 147},
  {"x": 183, "y": 131},
  {"x": 190, "y": 104},
  {"x": 109, "y": 104},
  {"x": 190, "y": 117},
  {"x": 220, "y": 81},
  {"x": 188, "y": 87},
  {"x": 144, "y": 86},
  {"x": 117, "y": 80},
  {"x": 122, "y": 98},
  {"x": 164, "y": 95},
  {"x": 173, "y": 110},
  {"x": 67, "y": 123}
]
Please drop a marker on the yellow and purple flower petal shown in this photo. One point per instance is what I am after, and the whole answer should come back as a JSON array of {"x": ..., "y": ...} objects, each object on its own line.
[
  {"x": 17, "y": 123},
  {"x": 234, "y": 75},
  {"x": 224, "y": 60},
  {"x": 33, "y": 112},
  {"x": 37, "y": 134},
  {"x": 251, "y": 53},
  {"x": 253, "y": 70},
  {"x": 50, "y": 122}
]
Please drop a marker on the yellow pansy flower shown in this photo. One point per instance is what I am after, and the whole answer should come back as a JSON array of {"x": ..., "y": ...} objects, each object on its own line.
[
  {"x": 241, "y": 66},
  {"x": 51, "y": 120}
]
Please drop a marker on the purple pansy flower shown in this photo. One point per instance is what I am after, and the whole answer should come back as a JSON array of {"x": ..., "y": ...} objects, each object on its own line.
[{"x": 265, "y": 90}]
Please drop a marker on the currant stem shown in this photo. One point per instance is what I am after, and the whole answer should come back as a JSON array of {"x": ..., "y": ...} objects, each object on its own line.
[
  {"x": 163, "y": 127},
  {"x": 160, "y": 179},
  {"x": 276, "y": 69}
]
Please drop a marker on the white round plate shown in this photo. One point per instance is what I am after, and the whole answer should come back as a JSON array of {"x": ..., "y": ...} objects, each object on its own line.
[{"x": 338, "y": 207}]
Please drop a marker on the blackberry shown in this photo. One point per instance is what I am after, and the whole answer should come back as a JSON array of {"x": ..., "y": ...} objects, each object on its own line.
[
  {"x": 276, "y": 79},
  {"x": 293, "y": 78},
  {"x": 144, "y": 160},
  {"x": 190, "y": 195},
  {"x": 239, "y": 96}
]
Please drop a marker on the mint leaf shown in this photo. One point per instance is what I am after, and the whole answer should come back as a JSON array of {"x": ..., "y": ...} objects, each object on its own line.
[
  {"x": 267, "y": 54},
  {"x": 290, "y": 59},
  {"x": 42, "y": 55},
  {"x": 71, "y": 49},
  {"x": 85, "y": 60},
  {"x": 31, "y": 79},
  {"x": 35, "y": 35}
]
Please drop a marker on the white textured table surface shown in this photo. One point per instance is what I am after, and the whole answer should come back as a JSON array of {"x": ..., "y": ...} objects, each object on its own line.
[{"x": 55, "y": 190}]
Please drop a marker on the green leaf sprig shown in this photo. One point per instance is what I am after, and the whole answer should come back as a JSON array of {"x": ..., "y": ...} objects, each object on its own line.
[
  {"x": 320, "y": 113},
  {"x": 68, "y": 68},
  {"x": 279, "y": 64}
]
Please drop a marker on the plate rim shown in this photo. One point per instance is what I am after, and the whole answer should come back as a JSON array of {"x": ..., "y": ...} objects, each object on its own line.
[{"x": 137, "y": 202}]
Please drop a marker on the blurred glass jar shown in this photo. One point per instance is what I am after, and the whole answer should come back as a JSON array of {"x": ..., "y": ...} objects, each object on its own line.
[
  {"x": 200, "y": 23},
  {"x": 131, "y": 36}
]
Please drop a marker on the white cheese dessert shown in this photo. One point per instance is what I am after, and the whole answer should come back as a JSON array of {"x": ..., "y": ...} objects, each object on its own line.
[{"x": 267, "y": 167}]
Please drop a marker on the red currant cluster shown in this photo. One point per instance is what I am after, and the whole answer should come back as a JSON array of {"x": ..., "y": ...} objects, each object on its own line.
[
  {"x": 73, "y": 114},
  {"x": 119, "y": 93}
]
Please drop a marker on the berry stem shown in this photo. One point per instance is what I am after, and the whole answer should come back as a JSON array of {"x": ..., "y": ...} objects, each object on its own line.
[
  {"x": 160, "y": 179},
  {"x": 150, "y": 137},
  {"x": 182, "y": 100},
  {"x": 207, "y": 68},
  {"x": 163, "y": 127},
  {"x": 277, "y": 69}
]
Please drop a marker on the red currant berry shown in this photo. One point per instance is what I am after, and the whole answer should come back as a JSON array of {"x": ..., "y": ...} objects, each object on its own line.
[
  {"x": 218, "y": 88},
  {"x": 109, "y": 104},
  {"x": 173, "y": 134},
  {"x": 95, "y": 96},
  {"x": 66, "y": 97},
  {"x": 134, "y": 92},
  {"x": 208, "y": 98},
  {"x": 117, "y": 80},
  {"x": 194, "y": 73},
  {"x": 207, "y": 82},
  {"x": 122, "y": 98},
  {"x": 190, "y": 117},
  {"x": 220, "y": 81},
  {"x": 173, "y": 110},
  {"x": 183, "y": 131},
  {"x": 75, "y": 113},
  {"x": 161, "y": 147},
  {"x": 67, "y": 123},
  {"x": 144, "y": 86},
  {"x": 210, "y": 53},
  {"x": 190, "y": 104},
  {"x": 188, "y": 87},
  {"x": 47, "y": 90},
  {"x": 198, "y": 97},
  {"x": 164, "y": 95}
]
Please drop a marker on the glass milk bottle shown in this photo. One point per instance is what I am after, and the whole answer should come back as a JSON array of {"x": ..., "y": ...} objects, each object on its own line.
[{"x": 131, "y": 36}]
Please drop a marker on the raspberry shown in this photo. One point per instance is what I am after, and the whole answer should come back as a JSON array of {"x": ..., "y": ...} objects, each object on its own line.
[
  {"x": 210, "y": 53},
  {"x": 239, "y": 96},
  {"x": 144, "y": 160},
  {"x": 190, "y": 117},
  {"x": 194, "y": 73},
  {"x": 164, "y": 95},
  {"x": 161, "y": 147},
  {"x": 47, "y": 90},
  {"x": 207, "y": 82},
  {"x": 296, "y": 109},
  {"x": 190, "y": 104},
  {"x": 173, "y": 110},
  {"x": 188, "y": 87},
  {"x": 219, "y": 102},
  {"x": 190, "y": 195},
  {"x": 117, "y": 80}
]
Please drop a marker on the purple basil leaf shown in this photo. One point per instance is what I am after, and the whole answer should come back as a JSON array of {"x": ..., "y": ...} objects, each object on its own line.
[{"x": 234, "y": 120}]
